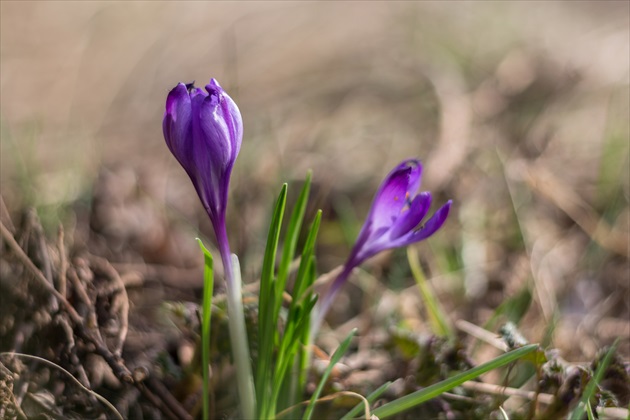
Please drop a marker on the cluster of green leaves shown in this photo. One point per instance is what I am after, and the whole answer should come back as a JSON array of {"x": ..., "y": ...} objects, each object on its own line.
[
  {"x": 282, "y": 359},
  {"x": 282, "y": 363},
  {"x": 283, "y": 354}
]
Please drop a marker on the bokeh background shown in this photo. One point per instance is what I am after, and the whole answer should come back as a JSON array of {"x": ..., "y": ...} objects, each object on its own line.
[{"x": 519, "y": 111}]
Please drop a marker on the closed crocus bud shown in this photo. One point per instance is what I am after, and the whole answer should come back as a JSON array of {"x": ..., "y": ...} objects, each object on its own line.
[
  {"x": 204, "y": 131},
  {"x": 395, "y": 220}
]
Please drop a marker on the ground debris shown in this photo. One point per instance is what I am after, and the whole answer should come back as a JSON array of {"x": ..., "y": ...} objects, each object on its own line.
[{"x": 66, "y": 317}]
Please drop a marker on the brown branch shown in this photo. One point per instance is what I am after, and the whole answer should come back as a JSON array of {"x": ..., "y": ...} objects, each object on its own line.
[
  {"x": 67, "y": 329},
  {"x": 5, "y": 217},
  {"x": 160, "y": 390},
  {"x": 37, "y": 274},
  {"x": 121, "y": 303},
  {"x": 63, "y": 262},
  {"x": 82, "y": 295}
]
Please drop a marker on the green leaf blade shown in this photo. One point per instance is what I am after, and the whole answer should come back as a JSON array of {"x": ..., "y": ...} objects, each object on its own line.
[
  {"x": 409, "y": 401},
  {"x": 291, "y": 238},
  {"x": 584, "y": 404},
  {"x": 267, "y": 324},
  {"x": 206, "y": 318},
  {"x": 337, "y": 355}
]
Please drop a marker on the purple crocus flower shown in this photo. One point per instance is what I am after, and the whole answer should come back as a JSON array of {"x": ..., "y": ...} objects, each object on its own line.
[
  {"x": 395, "y": 220},
  {"x": 204, "y": 131}
]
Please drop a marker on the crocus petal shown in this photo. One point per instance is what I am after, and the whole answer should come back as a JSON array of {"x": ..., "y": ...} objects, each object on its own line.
[
  {"x": 214, "y": 134},
  {"x": 415, "y": 177},
  {"x": 176, "y": 122},
  {"x": 411, "y": 217},
  {"x": 394, "y": 192},
  {"x": 203, "y": 155},
  {"x": 429, "y": 228},
  {"x": 229, "y": 113}
]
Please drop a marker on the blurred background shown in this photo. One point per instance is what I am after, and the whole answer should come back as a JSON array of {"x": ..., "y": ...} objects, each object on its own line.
[{"x": 518, "y": 110}]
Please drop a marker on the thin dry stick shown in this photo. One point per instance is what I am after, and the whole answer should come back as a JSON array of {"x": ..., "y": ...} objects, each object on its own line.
[
  {"x": 609, "y": 412},
  {"x": 121, "y": 304},
  {"x": 562, "y": 196},
  {"x": 506, "y": 391},
  {"x": 69, "y": 375},
  {"x": 43, "y": 249},
  {"x": 4, "y": 215},
  {"x": 65, "y": 326},
  {"x": 481, "y": 334},
  {"x": 83, "y": 296},
  {"x": 156, "y": 401},
  {"x": 47, "y": 265},
  {"x": 63, "y": 265},
  {"x": 26, "y": 261},
  {"x": 160, "y": 390},
  {"x": 129, "y": 399},
  {"x": 544, "y": 293}
]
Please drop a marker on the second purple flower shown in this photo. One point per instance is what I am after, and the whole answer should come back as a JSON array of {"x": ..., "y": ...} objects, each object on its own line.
[
  {"x": 396, "y": 212},
  {"x": 395, "y": 220}
]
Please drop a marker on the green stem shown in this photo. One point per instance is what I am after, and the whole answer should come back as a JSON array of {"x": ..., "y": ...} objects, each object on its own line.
[
  {"x": 236, "y": 324},
  {"x": 240, "y": 344}
]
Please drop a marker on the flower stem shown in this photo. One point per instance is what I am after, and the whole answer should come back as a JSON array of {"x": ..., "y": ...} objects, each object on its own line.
[
  {"x": 327, "y": 300},
  {"x": 236, "y": 323}
]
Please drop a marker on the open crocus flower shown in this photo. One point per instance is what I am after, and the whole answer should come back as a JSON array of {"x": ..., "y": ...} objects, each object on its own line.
[
  {"x": 396, "y": 214},
  {"x": 395, "y": 220},
  {"x": 204, "y": 131}
]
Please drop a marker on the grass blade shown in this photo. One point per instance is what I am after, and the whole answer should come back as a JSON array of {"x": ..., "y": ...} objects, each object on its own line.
[
  {"x": 438, "y": 320},
  {"x": 305, "y": 278},
  {"x": 371, "y": 398},
  {"x": 266, "y": 304},
  {"x": 206, "y": 313},
  {"x": 341, "y": 350},
  {"x": 301, "y": 283},
  {"x": 591, "y": 387},
  {"x": 273, "y": 237},
  {"x": 291, "y": 239},
  {"x": 418, "y": 397}
]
